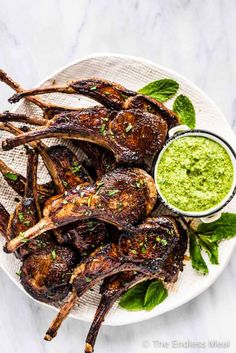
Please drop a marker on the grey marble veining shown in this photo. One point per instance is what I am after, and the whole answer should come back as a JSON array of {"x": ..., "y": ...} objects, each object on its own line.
[{"x": 195, "y": 38}]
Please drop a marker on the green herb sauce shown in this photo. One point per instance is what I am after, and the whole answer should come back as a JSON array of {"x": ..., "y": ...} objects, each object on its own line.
[{"x": 194, "y": 174}]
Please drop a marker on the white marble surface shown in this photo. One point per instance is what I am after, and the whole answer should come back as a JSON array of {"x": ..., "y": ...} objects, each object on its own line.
[{"x": 195, "y": 38}]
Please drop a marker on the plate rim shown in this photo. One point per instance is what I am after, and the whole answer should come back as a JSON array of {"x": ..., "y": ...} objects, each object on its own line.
[{"x": 222, "y": 267}]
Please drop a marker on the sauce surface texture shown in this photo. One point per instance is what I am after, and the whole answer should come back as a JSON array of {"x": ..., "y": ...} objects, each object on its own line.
[{"x": 194, "y": 174}]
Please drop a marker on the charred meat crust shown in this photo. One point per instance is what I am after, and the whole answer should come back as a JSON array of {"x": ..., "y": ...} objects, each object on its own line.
[
  {"x": 85, "y": 236},
  {"x": 45, "y": 274},
  {"x": 4, "y": 219},
  {"x": 67, "y": 166}
]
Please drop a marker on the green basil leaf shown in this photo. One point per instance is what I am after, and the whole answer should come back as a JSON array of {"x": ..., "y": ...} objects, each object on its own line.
[
  {"x": 133, "y": 299},
  {"x": 155, "y": 294},
  {"x": 210, "y": 247},
  {"x": 223, "y": 228},
  {"x": 184, "y": 109},
  {"x": 198, "y": 263},
  {"x": 161, "y": 90}
]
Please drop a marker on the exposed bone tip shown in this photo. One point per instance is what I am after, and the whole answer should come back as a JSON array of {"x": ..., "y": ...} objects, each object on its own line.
[
  {"x": 15, "y": 98},
  {"x": 88, "y": 348},
  {"x": 8, "y": 248},
  {"x": 48, "y": 337},
  {"x": 6, "y": 145}
]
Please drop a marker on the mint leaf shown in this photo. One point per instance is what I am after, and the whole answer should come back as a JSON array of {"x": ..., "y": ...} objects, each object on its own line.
[
  {"x": 210, "y": 247},
  {"x": 184, "y": 109},
  {"x": 223, "y": 228},
  {"x": 198, "y": 263},
  {"x": 155, "y": 294},
  {"x": 161, "y": 90},
  {"x": 133, "y": 299},
  {"x": 144, "y": 296}
]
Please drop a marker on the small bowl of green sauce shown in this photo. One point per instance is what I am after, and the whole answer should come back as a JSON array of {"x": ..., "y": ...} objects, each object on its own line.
[{"x": 195, "y": 173}]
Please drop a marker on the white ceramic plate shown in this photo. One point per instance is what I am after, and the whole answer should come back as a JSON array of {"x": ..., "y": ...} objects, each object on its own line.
[{"x": 133, "y": 73}]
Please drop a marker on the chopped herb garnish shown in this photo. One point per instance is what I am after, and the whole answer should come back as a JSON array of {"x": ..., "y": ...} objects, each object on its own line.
[
  {"x": 129, "y": 127},
  {"x": 93, "y": 88},
  {"x": 140, "y": 183},
  {"x": 27, "y": 223},
  {"x": 158, "y": 239},
  {"x": 21, "y": 216},
  {"x": 143, "y": 250},
  {"x": 133, "y": 251},
  {"x": 22, "y": 236},
  {"x": 124, "y": 96},
  {"x": 53, "y": 254},
  {"x": 103, "y": 129},
  {"x": 18, "y": 273},
  {"x": 87, "y": 279},
  {"x": 99, "y": 185},
  {"x": 164, "y": 242},
  {"x": 11, "y": 176},
  {"x": 65, "y": 183},
  {"x": 112, "y": 192},
  {"x": 120, "y": 206},
  {"x": 105, "y": 119},
  {"x": 75, "y": 168}
]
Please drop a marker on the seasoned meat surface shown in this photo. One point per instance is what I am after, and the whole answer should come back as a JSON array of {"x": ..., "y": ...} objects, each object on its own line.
[{"x": 45, "y": 274}]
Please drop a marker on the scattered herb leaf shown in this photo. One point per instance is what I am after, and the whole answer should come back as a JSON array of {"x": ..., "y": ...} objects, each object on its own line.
[
  {"x": 11, "y": 176},
  {"x": 103, "y": 129},
  {"x": 21, "y": 216},
  {"x": 53, "y": 254},
  {"x": 112, "y": 192},
  {"x": 129, "y": 127}
]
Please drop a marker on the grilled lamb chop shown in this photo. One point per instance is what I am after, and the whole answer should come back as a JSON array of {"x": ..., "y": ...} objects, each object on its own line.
[
  {"x": 45, "y": 274},
  {"x": 27, "y": 213},
  {"x": 114, "y": 286},
  {"x": 109, "y": 94},
  {"x": 4, "y": 219},
  {"x": 145, "y": 250},
  {"x": 122, "y": 197},
  {"x": 132, "y": 135}
]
